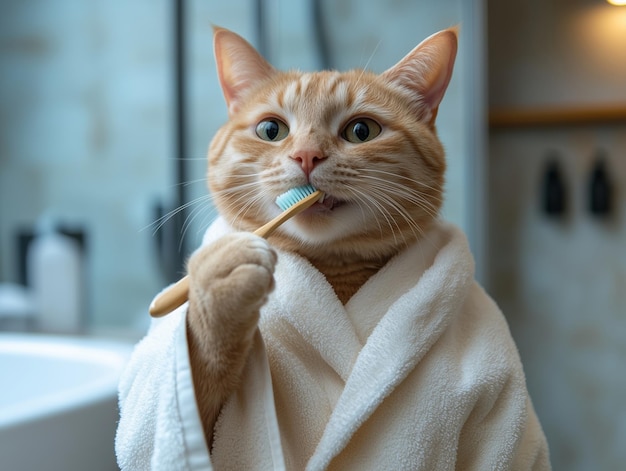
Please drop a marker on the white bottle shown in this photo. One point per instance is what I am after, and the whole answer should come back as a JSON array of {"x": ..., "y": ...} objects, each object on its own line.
[{"x": 55, "y": 275}]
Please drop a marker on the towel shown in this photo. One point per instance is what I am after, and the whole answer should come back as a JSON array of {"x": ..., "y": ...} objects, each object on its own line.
[{"x": 418, "y": 371}]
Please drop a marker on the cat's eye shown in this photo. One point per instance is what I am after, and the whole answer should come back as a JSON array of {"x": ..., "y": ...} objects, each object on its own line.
[
  {"x": 361, "y": 130},
  {"x": 272, "y": 129}
]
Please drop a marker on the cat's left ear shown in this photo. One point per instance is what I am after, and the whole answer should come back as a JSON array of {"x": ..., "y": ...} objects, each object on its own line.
[
  {"x": 426, "y": 71},
  {"x": 239, "y": 66}
]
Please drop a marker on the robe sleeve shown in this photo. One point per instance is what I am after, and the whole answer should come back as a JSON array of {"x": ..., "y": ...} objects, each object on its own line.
[{"x": 160, "y": 426}]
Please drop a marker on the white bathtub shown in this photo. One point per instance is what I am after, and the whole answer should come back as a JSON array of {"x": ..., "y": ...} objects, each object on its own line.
[{"x": 58, "y": 402}]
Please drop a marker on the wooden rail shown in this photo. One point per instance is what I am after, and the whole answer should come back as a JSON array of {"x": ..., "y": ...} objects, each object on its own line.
[{"x": 556, "y": 116}]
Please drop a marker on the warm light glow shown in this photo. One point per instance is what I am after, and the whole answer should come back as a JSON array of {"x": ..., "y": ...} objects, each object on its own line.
[
  {"x": 617, "y": 2},
  {"x": 597, "y": 36}
]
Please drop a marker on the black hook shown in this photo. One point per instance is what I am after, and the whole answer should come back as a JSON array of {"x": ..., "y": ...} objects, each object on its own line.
[
  {"x": 554, "y": 191},
  {"x": 600, "y": 188}
]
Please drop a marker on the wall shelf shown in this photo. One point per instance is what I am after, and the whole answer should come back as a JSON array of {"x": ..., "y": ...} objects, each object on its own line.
[{"x": 556, "y": 116}]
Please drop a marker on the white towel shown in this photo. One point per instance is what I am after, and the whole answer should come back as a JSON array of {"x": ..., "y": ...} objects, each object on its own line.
[{"x": 418, "y": 371}]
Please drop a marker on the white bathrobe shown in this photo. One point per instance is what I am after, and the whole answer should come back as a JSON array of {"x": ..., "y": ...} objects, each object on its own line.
[{"x": 418, "y": 371}]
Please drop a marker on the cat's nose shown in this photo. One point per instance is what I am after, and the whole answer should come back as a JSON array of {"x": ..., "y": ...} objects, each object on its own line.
[{"x": 308, "y": 159}]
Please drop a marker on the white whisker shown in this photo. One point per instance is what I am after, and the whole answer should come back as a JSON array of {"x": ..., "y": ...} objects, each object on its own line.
[
  {"x": 374, "y": 203},
  {"x": 158, "y": 224},
  {"x": 395, "y": 175},
  {"x": 364, "y": 69},
  {"x": 191, "y": 217},
  {"x": 361, "y": 199}
]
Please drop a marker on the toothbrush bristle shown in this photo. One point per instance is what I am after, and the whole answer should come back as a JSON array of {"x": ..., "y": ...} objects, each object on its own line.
[{"x": 291, "y": 197}]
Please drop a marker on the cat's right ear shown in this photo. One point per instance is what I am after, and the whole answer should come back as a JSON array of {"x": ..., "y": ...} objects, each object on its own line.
[{"x": 239, "y": 66}]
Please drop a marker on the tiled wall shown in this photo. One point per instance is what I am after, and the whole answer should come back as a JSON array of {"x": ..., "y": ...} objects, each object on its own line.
[{"x": 86, "y": 136}]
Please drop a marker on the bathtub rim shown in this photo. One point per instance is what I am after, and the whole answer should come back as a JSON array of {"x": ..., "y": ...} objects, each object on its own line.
[{"x": 111, "y": 354}]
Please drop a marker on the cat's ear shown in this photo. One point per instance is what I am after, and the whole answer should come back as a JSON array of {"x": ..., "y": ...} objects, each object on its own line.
[
  {"x": 239, "y": 66},
  {"x": 426, "y": 71}
]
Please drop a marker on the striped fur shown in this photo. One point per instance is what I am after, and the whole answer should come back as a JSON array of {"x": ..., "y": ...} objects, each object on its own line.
[{"x": 391, "y": 186}]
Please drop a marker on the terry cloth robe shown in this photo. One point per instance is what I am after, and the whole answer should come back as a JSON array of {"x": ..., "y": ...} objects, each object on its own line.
[{"x": 418, "y": 371}]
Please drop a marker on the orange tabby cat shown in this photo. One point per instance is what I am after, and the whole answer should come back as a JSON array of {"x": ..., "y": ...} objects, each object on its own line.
[{"x": 368, "y": 141}]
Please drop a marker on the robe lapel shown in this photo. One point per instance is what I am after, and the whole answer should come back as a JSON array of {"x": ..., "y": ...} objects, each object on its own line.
[
  {"x": 309, "y": 303},
  {"x": 370, "y": 304},
  {"x": 412, "y": 323}
]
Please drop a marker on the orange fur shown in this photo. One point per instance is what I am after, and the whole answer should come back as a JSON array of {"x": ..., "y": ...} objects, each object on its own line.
[{"x": 386, "y": 191}]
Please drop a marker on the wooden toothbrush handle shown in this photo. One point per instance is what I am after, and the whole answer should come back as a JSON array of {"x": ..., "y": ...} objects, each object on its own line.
[
  {"x": 177, "y": 294},
  {"x": 170, "y": 298}
]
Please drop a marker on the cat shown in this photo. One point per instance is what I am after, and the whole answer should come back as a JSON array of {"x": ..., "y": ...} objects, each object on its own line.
[{"x": 367, "y": 140}]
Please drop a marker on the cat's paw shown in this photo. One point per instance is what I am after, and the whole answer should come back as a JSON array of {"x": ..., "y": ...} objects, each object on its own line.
[{"x": 234, "y": 274}]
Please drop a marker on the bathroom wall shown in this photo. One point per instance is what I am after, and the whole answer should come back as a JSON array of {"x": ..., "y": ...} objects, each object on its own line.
[
  {"x": 561, "y": 279},
  {"x": 85, "y": 136}
]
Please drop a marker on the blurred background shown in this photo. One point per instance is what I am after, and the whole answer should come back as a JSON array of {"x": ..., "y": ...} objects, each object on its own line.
[{"x": 107, "y": 108}]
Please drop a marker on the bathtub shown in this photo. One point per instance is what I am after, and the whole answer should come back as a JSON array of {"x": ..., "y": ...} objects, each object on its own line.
[{"x": 58, "y": 402}]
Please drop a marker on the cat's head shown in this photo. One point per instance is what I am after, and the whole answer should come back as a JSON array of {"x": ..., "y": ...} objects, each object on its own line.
[{"x": 368, "y": 141}]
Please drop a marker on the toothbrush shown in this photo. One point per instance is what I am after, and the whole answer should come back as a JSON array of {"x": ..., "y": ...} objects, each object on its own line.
[{"x": 291, "y": 202}]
